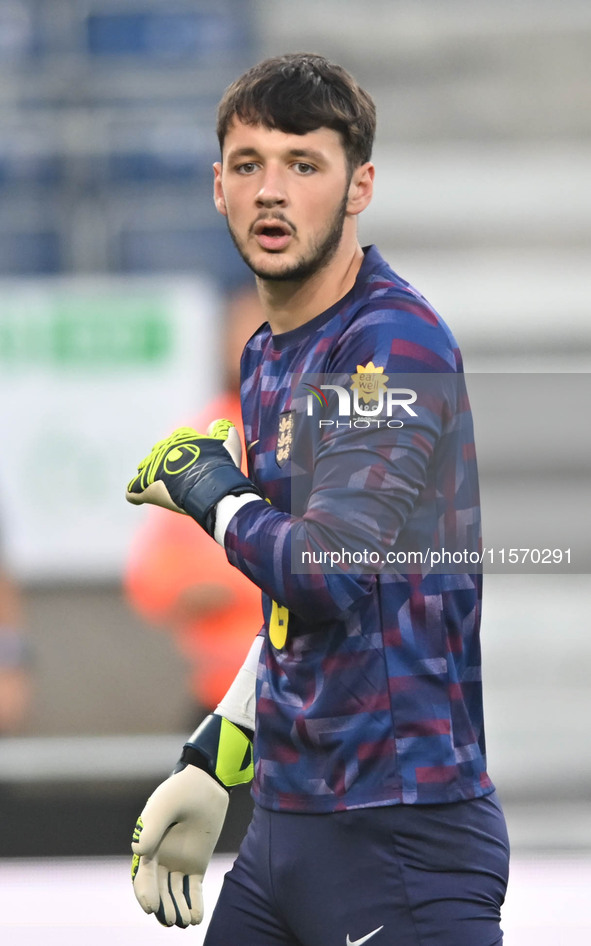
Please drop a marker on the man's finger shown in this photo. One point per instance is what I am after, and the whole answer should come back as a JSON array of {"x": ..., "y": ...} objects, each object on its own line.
[
  {"x": 179, "y": 890},
  {"x": 145, "y": 885},
  {"x": 196, "y": 898},
  {"x": 167, "y": 911},
  {"x": 150, "y": 828}
]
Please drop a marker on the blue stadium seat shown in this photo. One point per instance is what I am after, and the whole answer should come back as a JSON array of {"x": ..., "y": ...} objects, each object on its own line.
[
  {"x": 194, "y": 250},
  {"x": 168, "y": 155},
  {"x": 26, "y": 157},
  {"x": 169, "y": 35},
  {"x": 20, "y": 34},
  {"x": 24, "y": 253}
]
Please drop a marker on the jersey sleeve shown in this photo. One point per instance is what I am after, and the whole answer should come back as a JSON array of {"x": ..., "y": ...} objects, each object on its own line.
[{"x": 366, "y": 483}]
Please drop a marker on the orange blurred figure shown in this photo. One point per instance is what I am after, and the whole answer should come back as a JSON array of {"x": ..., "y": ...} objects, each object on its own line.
[
  {"x": 15, "y": 670},
  {"x": 178, "y": 579}
]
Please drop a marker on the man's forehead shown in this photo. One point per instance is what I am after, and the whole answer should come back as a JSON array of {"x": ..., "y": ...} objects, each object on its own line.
[{"x": 243, "y": 136}]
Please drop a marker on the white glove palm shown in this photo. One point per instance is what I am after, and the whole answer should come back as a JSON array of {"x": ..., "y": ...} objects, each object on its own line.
[{"x": 173, "y": 842}]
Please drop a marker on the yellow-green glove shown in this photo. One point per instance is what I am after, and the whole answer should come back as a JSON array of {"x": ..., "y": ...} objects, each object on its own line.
[{"x": 191, "y": 472}]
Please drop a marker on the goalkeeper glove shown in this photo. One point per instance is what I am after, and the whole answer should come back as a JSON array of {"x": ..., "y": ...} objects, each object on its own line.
[
  {"x": 191, "y": 472},
  {"x": 173, "y": 842},
  {"x": 178, "y": 829}
]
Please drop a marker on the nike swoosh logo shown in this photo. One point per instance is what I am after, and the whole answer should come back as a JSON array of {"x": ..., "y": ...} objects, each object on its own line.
[
  {"x": 253, "y": 444},
  {"x": 364, "y": 939}
]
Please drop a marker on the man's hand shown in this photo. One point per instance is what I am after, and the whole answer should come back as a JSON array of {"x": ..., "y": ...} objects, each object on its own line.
[
  {"x": 191, "y": 472},
  {"x": 173, "y": 842},
  {"x": 177, "y": 831}
]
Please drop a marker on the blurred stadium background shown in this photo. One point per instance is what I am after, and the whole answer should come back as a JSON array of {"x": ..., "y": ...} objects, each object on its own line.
[{"x": 113, "y": 267}]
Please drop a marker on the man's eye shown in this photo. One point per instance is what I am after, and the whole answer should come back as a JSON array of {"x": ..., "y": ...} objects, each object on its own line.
[
  {"x": 303, "y": 168},
  {"x": 247, "y": 168}
]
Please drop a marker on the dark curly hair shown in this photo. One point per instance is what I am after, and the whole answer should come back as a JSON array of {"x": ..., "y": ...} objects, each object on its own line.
[{"x": 298, "y": 93}]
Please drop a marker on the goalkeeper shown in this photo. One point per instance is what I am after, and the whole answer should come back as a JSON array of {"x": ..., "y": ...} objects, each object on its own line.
[{"x": 375, "y": 818}]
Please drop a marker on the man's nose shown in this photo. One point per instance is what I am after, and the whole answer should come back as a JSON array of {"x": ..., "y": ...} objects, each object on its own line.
[{"x": 272, "y": 192}]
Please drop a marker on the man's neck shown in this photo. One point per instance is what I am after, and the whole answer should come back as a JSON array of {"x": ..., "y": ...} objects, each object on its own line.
[{"x": 287, "y": 305}]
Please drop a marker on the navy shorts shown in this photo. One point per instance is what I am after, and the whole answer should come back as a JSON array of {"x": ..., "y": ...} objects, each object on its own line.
[{"x": 403, "y": 875}]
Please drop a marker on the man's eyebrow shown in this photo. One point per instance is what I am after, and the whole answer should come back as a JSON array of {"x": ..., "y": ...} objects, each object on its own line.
[
  {"x": 249, "y": 151},
  {"x": 245, "y": 152},
  {"x": 307, "y": 153}
]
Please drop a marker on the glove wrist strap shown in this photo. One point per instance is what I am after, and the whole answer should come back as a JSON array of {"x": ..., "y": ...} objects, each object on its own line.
[
  {"x": 222, "y": 749},
  {"x": 213, "y": 484}
]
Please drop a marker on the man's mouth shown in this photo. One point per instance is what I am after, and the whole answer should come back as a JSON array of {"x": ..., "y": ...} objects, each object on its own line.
[{"x": 272, "y": 235}]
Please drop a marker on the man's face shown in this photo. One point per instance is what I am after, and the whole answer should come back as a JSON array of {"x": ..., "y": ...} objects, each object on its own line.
[{"x": 285, "y": 197}]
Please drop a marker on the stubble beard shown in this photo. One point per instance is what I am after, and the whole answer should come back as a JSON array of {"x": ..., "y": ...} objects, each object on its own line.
[{"x": 321, "y": 252}]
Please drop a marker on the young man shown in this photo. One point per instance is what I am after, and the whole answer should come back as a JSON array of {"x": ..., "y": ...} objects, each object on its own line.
[{"x": 375, "y": 820}]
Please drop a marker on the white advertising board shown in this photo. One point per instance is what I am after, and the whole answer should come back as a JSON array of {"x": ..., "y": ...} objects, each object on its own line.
[{"x": 92, "y": 373}]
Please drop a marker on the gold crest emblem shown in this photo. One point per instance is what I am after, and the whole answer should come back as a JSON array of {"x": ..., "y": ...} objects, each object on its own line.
[
  {"x": 369, "y": 382},
  {"x": 284, "y": 437}
]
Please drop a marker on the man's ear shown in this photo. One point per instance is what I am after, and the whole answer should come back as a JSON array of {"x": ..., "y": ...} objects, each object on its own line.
[
  {"x": 361, "y": 188},
  {"x": 218, "y": 193}
]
